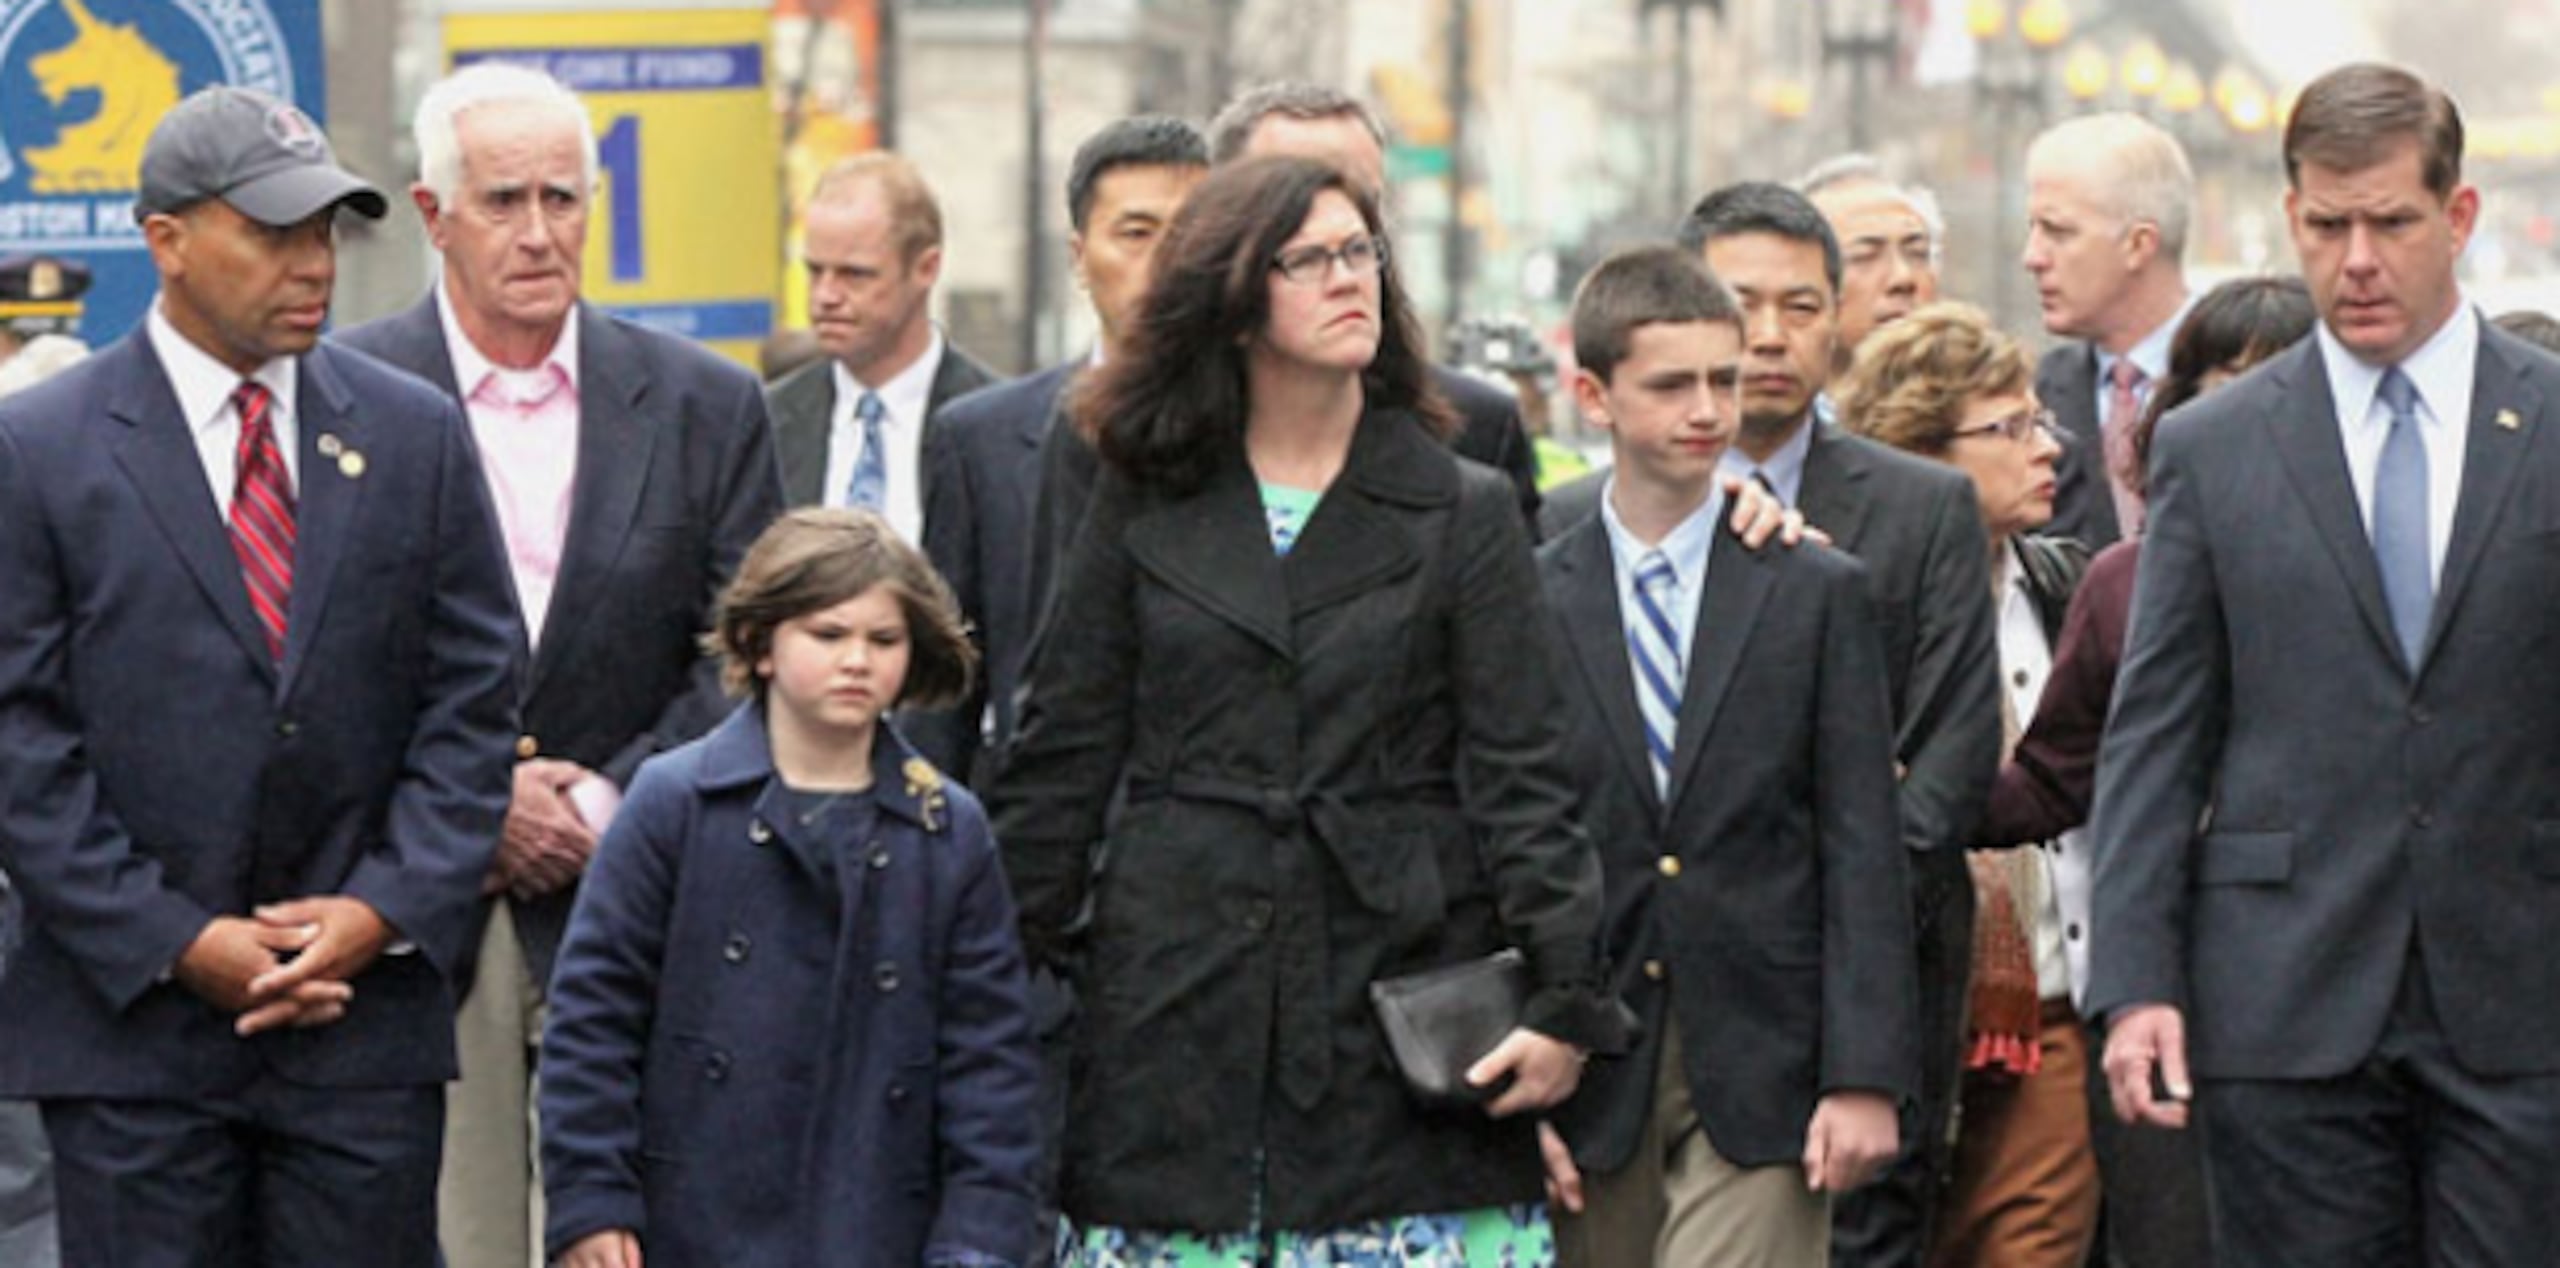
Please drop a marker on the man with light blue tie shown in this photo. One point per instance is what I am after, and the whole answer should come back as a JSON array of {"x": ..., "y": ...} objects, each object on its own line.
[
  {"x": 2328, "y": 859},
  {"x": 850, "y": 427}
]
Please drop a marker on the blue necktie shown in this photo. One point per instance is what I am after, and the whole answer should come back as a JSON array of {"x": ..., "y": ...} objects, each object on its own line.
[
  {"x": 1655, "y": 647},
  {"x": 2400, "y": 518},
  {"x": 869, "y": 487}
]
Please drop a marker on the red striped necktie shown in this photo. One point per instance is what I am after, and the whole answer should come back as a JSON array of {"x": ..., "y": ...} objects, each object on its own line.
[{"x": 262, "y": 514}]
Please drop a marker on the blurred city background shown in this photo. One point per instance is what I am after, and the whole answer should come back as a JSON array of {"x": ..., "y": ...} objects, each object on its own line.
[{"x": 1528, "y": 136}]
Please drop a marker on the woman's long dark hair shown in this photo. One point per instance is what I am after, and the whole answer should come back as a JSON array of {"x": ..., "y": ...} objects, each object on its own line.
[
  {"x": 2241, "y": 322},
  {"x": 1162, "y": 412}
]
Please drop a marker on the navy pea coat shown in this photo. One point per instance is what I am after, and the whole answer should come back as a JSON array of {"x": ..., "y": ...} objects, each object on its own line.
[{"x": 674, "y": 1100}]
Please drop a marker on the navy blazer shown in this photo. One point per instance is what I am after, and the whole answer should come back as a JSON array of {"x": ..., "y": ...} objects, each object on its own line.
[
  {"x": 2285, "y": 809},
  {"x": 675, "y": 478},
  {"x": 2084, "y": 500},
  {"x": 163, "y": 770},
  {"x": 983, "y": 456},
  {"x": 675, "y": 1102},
  {"x": 1781, "y": 948}
]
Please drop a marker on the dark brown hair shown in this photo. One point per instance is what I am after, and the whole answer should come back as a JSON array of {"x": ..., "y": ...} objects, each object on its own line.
[
  {"x": 1642, "y": 286},
  {"x": 1162, "y": 414},
  {"x": 2354, "y": 116},
  {"x": 814, "y": 558},
  {"x": 2240, "y": 323},
  {"x": 1912, "y": 378}
]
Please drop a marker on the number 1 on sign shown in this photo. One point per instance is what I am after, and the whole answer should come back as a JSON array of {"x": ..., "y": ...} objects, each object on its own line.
[{"x": 618, "y": 150}]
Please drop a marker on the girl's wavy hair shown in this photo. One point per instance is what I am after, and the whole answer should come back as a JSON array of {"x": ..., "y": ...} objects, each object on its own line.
[
  {"x": 1163, "y": 412},
  {"x": 814, "y": 558}
]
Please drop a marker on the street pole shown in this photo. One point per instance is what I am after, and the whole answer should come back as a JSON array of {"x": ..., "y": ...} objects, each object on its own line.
[
  {"x": 884, "y": 112},
  {"x": 1035, "y": 226},
  {"x": 1454, "y": 255},
  {"x": 1683, "y": 110}
]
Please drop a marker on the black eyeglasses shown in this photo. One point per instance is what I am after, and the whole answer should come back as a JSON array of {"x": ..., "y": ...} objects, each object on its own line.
[
  {"x": 1306, "y": 265},
  {"x": 2016, "y": 427}
]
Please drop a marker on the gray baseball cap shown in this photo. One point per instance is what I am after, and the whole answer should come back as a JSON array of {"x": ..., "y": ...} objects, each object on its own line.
[{"x": 262, "y": 156}]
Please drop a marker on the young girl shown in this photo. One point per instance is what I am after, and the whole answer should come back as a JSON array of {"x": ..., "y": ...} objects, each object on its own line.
[{"x": 788, "y": 1025}]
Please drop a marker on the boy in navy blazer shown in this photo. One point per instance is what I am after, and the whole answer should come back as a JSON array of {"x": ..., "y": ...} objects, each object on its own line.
[
  {"x": 1734, "y": 745},
  {"x": 256, "y": 665}
]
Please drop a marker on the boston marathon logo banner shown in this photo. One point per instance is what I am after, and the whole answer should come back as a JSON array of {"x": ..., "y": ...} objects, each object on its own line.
[{"x": 82, "y": 82}]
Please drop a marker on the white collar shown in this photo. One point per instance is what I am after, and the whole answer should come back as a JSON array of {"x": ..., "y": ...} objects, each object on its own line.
[
  {"x": 907, "y": 394},
  {"x": 469, "y": 367},
  {"x": 2441, "y": 369},
  {"x": 203, "y": 384}
]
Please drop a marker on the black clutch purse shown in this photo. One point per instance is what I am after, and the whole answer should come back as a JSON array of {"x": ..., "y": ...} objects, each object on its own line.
[{"x": 1441, "y": 1021}]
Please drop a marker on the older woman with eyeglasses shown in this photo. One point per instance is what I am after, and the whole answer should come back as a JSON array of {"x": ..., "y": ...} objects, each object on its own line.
[{"x": 1944, "y": 384}]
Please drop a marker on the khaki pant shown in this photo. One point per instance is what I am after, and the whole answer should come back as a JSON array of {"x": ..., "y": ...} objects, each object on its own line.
[
  {"x": 489, "y": 1197},
  {"x": 1678, "y": 1204},
  {"x": 2026, "y": 1183}
]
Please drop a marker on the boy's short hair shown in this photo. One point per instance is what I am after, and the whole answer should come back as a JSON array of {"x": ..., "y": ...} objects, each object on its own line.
[
  {"x": 814, "y": 558},
  {"x": 1642, "y": 286}
]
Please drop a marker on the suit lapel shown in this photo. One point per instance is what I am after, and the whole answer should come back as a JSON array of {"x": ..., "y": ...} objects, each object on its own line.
[
  {"x": 1831, "y": 495},
  {"x": 1595, "y": 628},
  {"x": 2315, "y": 460},
  {"x": 2505, "y": 410},
  {"x": 803, "y": 404},
  {"x": 331, "y": 441},
  {"x": 616, "y": 434},
  {"x": 1355, "y": 542},
  {"x": 158, "y": 454},
  {"x": 1214, "y": 548},
  {"x": 1737, "y": 585}
]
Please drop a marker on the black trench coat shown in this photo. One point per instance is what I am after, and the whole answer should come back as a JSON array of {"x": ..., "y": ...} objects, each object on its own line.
[{"x": 1341, "y": 765}]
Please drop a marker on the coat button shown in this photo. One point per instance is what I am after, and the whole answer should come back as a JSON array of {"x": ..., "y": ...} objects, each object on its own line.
[
  {"x": 735, "y": 952},
  {"x": 2422, "y": 817},
  {"x": 528, "y": 747},
  {"x": 897, "y": 1093},
  {"x": 287, "y": 728},
  {"x": 758, "y": 832},
  {"x": 885, "y": 975},
  {"x": 1257, "y": 915},
  {"x": 878, "y": 858},
  {"x": 2421, "y": 715},
  {"x": 716, "y": 1067},
  {"x": 1279, "y": 810},
  {"x": 1669, "y": 865},
  {"x": 1653, "y": 970}
]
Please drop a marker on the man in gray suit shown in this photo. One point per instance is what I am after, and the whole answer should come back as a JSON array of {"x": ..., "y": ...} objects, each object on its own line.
[
  {"x": 850, "y": 427},
  {"x": 629, "y": 470},
  {"x": 2328, "y": 862},
  {"x": 2108, "y": 200}
]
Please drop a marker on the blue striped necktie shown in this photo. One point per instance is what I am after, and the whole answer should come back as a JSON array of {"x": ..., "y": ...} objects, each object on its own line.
[
  {"x": 869, "y": 487},
  {"x": 2400, "y": 518},
  {"x": 1655, "y": 646}
]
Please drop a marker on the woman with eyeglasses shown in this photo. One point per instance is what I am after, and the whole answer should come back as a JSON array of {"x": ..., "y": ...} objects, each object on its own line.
[
  {"x": 1289, "y": 734},
  {"x": 1944, "y": 384}
]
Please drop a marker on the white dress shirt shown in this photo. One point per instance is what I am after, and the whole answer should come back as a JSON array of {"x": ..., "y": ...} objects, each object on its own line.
[
  {"x": 204, "y": 387},
  {"x": 2060, "y": 937},
  {"x": 907, "y": 397},
  {"x": 2442, "y": 370},
  {"x": 1685, "y": 547}
]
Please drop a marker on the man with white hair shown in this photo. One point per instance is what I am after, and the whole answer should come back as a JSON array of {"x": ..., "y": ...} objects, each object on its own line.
[
  {"x": 1889, "y": 241},
  {"x": 629, "y": 469},
  {"x": 2109, "y": 197}
]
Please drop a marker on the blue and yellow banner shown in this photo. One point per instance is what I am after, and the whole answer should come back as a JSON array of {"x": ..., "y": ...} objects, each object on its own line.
[
  {"x": 82, "y": 82},
  {"x": 686, "y": 233}
]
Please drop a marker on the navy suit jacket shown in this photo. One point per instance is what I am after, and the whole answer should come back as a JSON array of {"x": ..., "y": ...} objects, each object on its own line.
[
  {"x": 2084, "y": 501},
  {"x": 1782, "y": 948},
  {"x": 675, "y": 478},
  {"x": 2285, "y": 810},
  {"x": 982, "y": 456},
  {"x": 163, "y": 770},
  {"x": 804, "y": 407}
]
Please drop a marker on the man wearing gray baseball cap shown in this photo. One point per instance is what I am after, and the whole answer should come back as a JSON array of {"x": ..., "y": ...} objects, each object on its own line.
[{"x": 258, "y": 648}]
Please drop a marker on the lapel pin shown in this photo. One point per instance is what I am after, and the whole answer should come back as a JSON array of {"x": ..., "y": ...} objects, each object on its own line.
[
  {"x": 330, "y": 445},
  {"x": 2508, "y": 421},
  {"x": 350, "y": 463}
]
